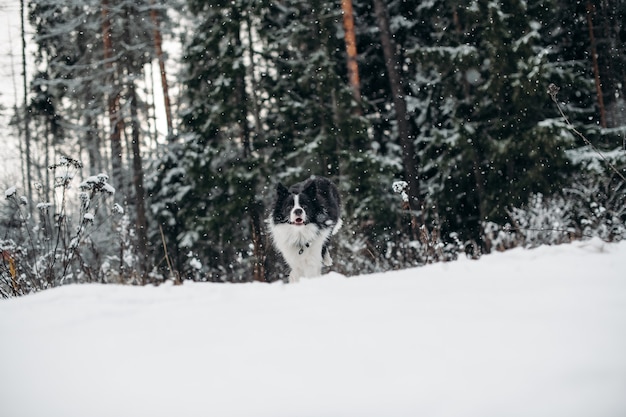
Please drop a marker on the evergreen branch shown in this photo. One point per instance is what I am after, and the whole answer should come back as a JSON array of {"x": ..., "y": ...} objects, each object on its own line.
[{"x": 552, "y": 91}]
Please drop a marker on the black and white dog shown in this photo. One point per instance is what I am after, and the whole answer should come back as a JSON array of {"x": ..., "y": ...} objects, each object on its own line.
[{"x": 304, "y": 218}]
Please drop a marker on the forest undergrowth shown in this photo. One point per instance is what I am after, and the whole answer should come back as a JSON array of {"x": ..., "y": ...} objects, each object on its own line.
[{"x": 82, "y": 236}]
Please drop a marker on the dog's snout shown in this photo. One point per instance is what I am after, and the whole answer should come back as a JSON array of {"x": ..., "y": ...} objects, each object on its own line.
[{"x": 298, "y": 212}]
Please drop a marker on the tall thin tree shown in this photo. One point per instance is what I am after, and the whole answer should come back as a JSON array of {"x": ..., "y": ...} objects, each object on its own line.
[
  {"x": 26, "y": 119},
  {"x": 158, "y": 41},
  {"x": 351, "y": 51},
  {"x": 141, "y": 224},
  {"x": 594, "y": 59},
  {"x": 404, "y": 130},
  {"x": 17, "y": 112},
  {"x": 115, "y": 120}
]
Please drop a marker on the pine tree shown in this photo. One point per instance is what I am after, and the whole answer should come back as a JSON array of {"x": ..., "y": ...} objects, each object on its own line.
[{"x": 213, "y": 166}]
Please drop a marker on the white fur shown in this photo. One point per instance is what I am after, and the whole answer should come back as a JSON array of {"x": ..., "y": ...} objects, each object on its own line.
[
  {"x": 291, "y": 240},
  {"x": 337, "y": 226}
]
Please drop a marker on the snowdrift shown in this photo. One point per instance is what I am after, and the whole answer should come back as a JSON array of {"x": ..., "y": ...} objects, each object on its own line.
[{"x": 523, "y": 333}]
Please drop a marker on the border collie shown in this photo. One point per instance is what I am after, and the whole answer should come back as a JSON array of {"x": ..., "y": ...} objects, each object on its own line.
[{"x": 304, "y": 218}]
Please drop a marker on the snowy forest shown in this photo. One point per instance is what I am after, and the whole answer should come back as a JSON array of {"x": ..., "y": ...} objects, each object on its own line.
[{"x": 452, "y": 128}]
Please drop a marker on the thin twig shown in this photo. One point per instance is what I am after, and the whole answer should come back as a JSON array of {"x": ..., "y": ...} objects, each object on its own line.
[
  {"x": 167, "y": 258},
  {"x": 512, "y": 229},
  {"x": 552, "y": 91}
]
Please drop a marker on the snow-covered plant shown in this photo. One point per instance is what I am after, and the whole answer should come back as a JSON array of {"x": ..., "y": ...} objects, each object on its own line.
[
  {"x": 423, "y": 244},
  {"x": 591, "y": 207},
  {"x": 55, "y": 242},
  {"x": 128, "y": 259},
  {"x": 544, "y": 221},
  {"x": 500, "y": 238},
  {"x": 599, "y": 207},
  {"x": 401, "y": 188}
]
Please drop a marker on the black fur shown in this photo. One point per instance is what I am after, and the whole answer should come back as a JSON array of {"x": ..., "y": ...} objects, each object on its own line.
[
  {"x": 318, "y": 196},
  {"x": 301, "y": 231}
]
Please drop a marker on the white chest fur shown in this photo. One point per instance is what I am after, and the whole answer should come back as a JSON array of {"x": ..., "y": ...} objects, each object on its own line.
[{"x": 301, "y": 246}]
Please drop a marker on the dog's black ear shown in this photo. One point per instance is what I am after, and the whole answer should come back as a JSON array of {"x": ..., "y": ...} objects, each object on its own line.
[{"x": 281, "y": 190}]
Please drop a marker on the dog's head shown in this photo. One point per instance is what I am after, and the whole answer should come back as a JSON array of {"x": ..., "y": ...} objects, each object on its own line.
[{"x": 296, "y": 208}]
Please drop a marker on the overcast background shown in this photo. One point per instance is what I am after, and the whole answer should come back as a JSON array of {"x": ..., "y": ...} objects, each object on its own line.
[{"x": 10, "y": 83}]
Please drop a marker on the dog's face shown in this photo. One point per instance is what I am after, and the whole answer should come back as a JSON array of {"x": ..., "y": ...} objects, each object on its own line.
[{"x": 294, "y": 208}]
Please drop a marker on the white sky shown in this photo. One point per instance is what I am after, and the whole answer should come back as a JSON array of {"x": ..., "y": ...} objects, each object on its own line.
[{"x": 10, "y": 80}]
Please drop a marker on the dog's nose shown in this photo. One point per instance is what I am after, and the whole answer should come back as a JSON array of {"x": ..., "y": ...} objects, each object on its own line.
[{"x": 298, "y": 212}]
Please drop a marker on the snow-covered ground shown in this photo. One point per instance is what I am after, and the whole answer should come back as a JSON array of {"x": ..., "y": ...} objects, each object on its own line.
[{"x": 523, "y": 333}]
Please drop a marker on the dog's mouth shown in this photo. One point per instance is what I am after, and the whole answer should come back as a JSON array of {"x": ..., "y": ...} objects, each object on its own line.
[{"x": 298, "y": 221}]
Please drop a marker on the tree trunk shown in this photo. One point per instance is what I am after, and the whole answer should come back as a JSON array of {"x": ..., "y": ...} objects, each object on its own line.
[
  {"x": 256, "y": 207},
  {"x": 159, "y": 52},
  {"x": 241, "y": 97},
  {"x": 16, "y": 111},
  {"x": 258, "y": 129},
  {"x": 242, "y": 102},
  {"x": 258, "y": 240},
  {"x": 91, "y": 143},
  {"x": 596, "y": 67},
  {"x": 128, "y": 68},
  {"x": 350, "y": 39},
  {"x": 151, "y": 116},
  {"x": 115, "y": 121},
  {"x": 141, "y": 224},
  {"x": 479, "y": 177},
  {"x": 406, "y": 140},
  {"x": 29, "y": 185},
  {"x": 329, "y": 149}
]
